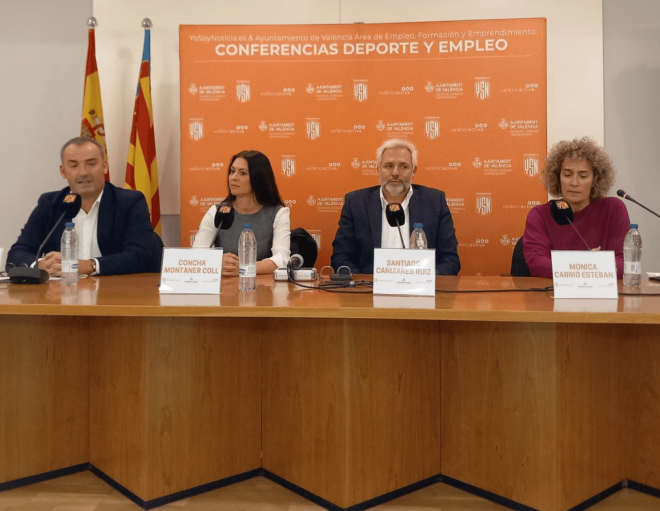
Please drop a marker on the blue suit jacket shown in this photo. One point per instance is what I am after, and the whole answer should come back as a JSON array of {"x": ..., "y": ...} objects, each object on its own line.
[
  {"x": 360, "y": 229},
  {"x": 124, "y": 232}
]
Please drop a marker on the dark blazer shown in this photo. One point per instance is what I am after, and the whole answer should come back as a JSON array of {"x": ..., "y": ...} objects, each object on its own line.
[
  {"x": 360, "y": 229},
  {"x": 124, "y": 232}
]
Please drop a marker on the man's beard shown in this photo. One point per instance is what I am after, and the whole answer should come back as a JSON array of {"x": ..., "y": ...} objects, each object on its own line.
[{"x": 396, "y": 187}]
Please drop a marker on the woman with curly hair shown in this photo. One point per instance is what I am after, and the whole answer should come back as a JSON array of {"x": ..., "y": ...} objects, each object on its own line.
[{"x": 580, "y": 172}]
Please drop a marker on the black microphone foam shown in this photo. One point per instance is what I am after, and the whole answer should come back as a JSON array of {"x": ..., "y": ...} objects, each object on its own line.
[
  {"x": 561, "y": 212},
  {"x": 623, "y": 194},
  {"x": 224, "y": 216},
  {"x": 395, "y": 214},
  {"x": 71, "y": 204}
]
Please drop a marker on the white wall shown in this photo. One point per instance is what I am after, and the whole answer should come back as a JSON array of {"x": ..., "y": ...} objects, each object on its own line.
[
  {"x": 575, "y": 58},
  {"x": 43, "y": 45},
  {"x": 632, "y": 111}
]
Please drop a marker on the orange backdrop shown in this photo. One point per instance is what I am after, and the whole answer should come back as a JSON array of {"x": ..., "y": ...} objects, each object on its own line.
[{"x": 319, "y": 99}]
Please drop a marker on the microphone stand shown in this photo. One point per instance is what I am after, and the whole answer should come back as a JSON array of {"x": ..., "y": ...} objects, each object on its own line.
[
  {"x": 403, "y": 245},
  {"x": 626, "y": 196},
  {"x": 578, "y": 233}
]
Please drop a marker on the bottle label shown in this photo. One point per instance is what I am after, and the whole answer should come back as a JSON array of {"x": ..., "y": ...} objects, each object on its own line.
[
  {"x": 69, "y": 266},
  {"x": 247, "y": 271},
  {"x": 630, "y": 267}
]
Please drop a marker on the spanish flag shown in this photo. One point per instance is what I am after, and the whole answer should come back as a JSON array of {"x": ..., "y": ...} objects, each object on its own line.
[
  {"x": 92, "y": 113},
  {"x": 142, "y": 168}
]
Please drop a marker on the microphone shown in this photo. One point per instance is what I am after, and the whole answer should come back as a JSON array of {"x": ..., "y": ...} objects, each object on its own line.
[
  {"x": 623, "y": 194},
  {"x": 562, "y": 214},
  {"x": 224, "y": 216},
  {"x": 396, "y": 216},
  {"x": 70, "y": 207}
]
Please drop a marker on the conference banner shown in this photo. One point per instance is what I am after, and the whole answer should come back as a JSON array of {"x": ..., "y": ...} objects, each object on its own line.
[{"x": 319, "y": 99}]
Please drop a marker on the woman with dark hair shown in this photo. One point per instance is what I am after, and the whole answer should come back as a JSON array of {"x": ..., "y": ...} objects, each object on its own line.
[
  {"x": 579, "y": 171},
  {"x": 256, "y": 200}
]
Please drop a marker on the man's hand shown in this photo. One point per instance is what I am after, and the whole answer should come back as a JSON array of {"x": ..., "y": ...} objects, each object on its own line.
[
  {"x": 85, "y": 267},
  {"x": 229, "y": 265},
  {"x": 52, "y": 263}
]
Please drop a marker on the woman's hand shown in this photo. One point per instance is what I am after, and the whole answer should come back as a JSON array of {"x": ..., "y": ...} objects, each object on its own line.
[{"x": 229, "y": 265}]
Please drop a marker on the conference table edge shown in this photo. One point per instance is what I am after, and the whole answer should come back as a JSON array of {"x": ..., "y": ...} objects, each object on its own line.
[{"x": 511, "y": 316}]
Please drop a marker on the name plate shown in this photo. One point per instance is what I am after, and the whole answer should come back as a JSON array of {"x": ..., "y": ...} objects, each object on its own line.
[
  {"x": 398, "y": 271},
  {"x": 584, "y": 274},
  {"x": 191, "y": 271}
]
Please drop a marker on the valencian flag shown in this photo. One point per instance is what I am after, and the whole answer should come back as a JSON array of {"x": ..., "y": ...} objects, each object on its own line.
[
  {"x": 142, "y": 168},
  {"x": 92, "y": 113}
]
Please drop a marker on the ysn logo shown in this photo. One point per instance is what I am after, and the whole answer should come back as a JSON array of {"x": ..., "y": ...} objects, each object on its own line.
[
  {"x": 484, "y": 204},
  {"x": 243, "y": 91},
  {"x": 531, "y": 166},
  {"x": 313, "y": 130},
  {"x": 360, "y": 90},
  {"x": 432, "y": 128},
  {"x": 196, "y": 130},
  {"x": 482, "y": 89},
  {"x": 288, "y": 166}
]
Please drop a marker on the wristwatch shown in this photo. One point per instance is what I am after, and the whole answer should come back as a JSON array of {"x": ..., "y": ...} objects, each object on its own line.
[{"x": 93, "y": 261}]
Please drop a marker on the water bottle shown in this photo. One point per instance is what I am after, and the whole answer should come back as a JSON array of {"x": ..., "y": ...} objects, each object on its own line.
[
  {"x": 632, "y": 257},
  {"x": 69, "y": 250},
  {"x": 418, "y": 238},
  {"x": 247, "y": 260}
]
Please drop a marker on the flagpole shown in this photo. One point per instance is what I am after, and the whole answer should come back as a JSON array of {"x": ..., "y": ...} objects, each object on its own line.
[
  {"x": 92, "y": 124},
  {"x": 142, "y": 165}
]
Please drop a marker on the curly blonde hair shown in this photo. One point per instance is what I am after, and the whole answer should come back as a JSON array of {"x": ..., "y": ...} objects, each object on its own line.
[{"x": 581, "y": 149}]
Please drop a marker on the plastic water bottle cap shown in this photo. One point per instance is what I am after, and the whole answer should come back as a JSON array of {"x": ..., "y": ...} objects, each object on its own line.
[
  {"x": 633, "y": 226},
  {"x": 418, "y": 226},
  {"x": 247, "y": 226},
  {"x": 69, "y": 224}
]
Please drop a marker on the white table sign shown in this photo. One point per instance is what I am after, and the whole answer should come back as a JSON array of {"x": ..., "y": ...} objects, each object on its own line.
[
  {"x": 404, "y": 302},
  {"x": 585, "y": 305},
  {"x": 191, "y": 271},
  {"x": 584, "y": 274},
  {"x": 398, "y": 271}
]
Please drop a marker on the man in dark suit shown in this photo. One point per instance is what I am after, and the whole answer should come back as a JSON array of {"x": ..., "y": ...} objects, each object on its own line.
[
  {"x": 115, "y": 235},
  {"x": 363, "y": 226}
]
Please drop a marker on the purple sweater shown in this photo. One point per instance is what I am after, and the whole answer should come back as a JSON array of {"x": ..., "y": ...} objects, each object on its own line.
[{"x": 603, "y": 223}]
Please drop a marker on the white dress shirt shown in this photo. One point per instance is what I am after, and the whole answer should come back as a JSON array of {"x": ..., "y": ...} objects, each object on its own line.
[
  {"x": 281, "y": 248},
  {"x": 389, "y": 237},
  {"x": 86, "y": 227}
]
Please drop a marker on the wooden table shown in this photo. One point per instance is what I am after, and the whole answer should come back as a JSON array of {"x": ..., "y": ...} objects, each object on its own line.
[{"x": 343, "y": 395}]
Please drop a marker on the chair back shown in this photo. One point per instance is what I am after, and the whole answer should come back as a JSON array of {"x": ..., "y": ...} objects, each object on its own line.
[{"x": 519, "y": 266}]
